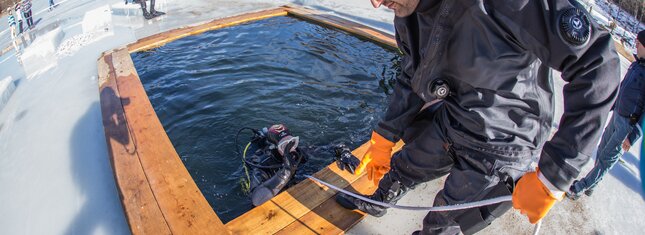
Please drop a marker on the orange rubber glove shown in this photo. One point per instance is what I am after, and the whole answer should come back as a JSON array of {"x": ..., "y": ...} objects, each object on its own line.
[
  {"x": 532, "y": 197},
  {"x": 377, "y": 158}
]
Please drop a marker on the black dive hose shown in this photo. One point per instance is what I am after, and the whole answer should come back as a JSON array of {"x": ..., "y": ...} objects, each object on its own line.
[
  {"x": 255, "y": 138},
  {"x": 237, "y": 146}
]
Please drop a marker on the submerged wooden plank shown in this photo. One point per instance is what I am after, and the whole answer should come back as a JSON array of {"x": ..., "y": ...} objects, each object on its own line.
[
  {"x": 141, "y": 209},
  {"x": 183, "y": 206},
  {"x": 158, "y": 40},
  {"x": 356, "y": 29},
  {"x": 289, "y": 206}
]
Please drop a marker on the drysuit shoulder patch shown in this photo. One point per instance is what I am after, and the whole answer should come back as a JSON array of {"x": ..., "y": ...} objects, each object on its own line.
[{"x": 575, "y": 27}]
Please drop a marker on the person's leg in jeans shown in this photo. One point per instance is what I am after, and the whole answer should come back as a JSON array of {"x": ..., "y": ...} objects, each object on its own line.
[
  {"x": 20, "y": 25},
  {"x": 608, "y": 153},
  {"x": 154, "y": 12},
  {"x": 24, "y": 16},
  {"x": 13, "y": 39},
  {"x": 144, "y": 9},
  {"x": 15, "y": 43},
  {"x": 27, "y": 16},
  {"x": 30, "y": 20}
]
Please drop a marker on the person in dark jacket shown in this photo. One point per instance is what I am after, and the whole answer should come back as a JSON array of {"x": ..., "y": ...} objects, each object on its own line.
[
  {"x": 628, "y": 110},
  {"x": 475, "y": 102}
]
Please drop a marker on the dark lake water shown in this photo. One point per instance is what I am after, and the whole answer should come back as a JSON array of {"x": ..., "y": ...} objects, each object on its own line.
[{"x": 327, "y": 86}]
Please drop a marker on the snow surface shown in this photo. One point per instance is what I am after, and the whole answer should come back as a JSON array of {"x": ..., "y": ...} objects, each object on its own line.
[
  {"x": 54, "y": 168},
  {"x": 6, "y": 90}
]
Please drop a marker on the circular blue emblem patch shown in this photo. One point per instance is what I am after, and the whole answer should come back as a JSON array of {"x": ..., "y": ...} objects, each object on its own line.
[{"x": 575, "y": 27}]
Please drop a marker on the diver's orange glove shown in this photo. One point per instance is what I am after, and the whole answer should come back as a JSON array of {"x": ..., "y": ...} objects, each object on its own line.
[
  {"x": 532, "y": 197},
  {"x": 377, "y": 158}
]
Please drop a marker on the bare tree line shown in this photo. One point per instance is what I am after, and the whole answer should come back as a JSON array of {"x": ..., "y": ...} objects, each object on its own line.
[
  {"x": 633, "y": 7},
  {"x": 4, "y": 4}
]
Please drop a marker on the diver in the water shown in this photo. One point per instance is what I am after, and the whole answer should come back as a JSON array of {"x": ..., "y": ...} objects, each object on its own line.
[
  {"x": 276, "y": 159},
  {"x": 274, "y": 163}
]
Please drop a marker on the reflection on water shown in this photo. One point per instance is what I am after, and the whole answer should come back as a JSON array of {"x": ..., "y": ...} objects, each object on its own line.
[{"x": 328, "y": 87}]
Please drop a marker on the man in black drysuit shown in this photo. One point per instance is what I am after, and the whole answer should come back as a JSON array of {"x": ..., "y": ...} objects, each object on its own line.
[{"x": 485, "y": 66}]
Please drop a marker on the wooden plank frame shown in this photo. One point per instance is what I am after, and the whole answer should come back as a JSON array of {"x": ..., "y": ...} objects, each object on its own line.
[
  {"x": 157, "y": 192},
  {"x": 331, "y": 21}
]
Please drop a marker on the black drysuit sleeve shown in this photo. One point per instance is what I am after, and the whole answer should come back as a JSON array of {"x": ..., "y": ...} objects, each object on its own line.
[
  {"x": 591, "y": 74},
  {"x": 404, "y": 102}
]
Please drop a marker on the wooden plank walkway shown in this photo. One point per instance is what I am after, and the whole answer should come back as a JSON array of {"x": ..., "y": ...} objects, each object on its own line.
[
  {"x": 356, "y": 29},
  {"x": 143, "y": 213},
  {"x": 157, "y": 192},
  {"x": 160, "y": 39}
]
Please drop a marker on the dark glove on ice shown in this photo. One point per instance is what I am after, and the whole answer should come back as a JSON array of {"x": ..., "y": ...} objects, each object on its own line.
[{"x": 345, "y": 159}]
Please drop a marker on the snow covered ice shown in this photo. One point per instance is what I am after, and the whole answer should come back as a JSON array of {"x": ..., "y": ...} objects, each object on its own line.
[{"x": 54, "y": 167}]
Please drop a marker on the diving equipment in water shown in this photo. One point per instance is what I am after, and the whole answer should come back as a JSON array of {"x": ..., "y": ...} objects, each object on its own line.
[{"x": 274, "y": 162}]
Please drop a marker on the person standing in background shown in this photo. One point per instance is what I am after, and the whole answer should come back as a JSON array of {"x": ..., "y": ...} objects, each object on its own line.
[
  {"x": 622, "y": 129},
  {"x": 51, "y": 5},
  {"x": 18, "y": 11},
  {"x": 12, "y": 26},
  {"x": 26, "y": 11}
]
